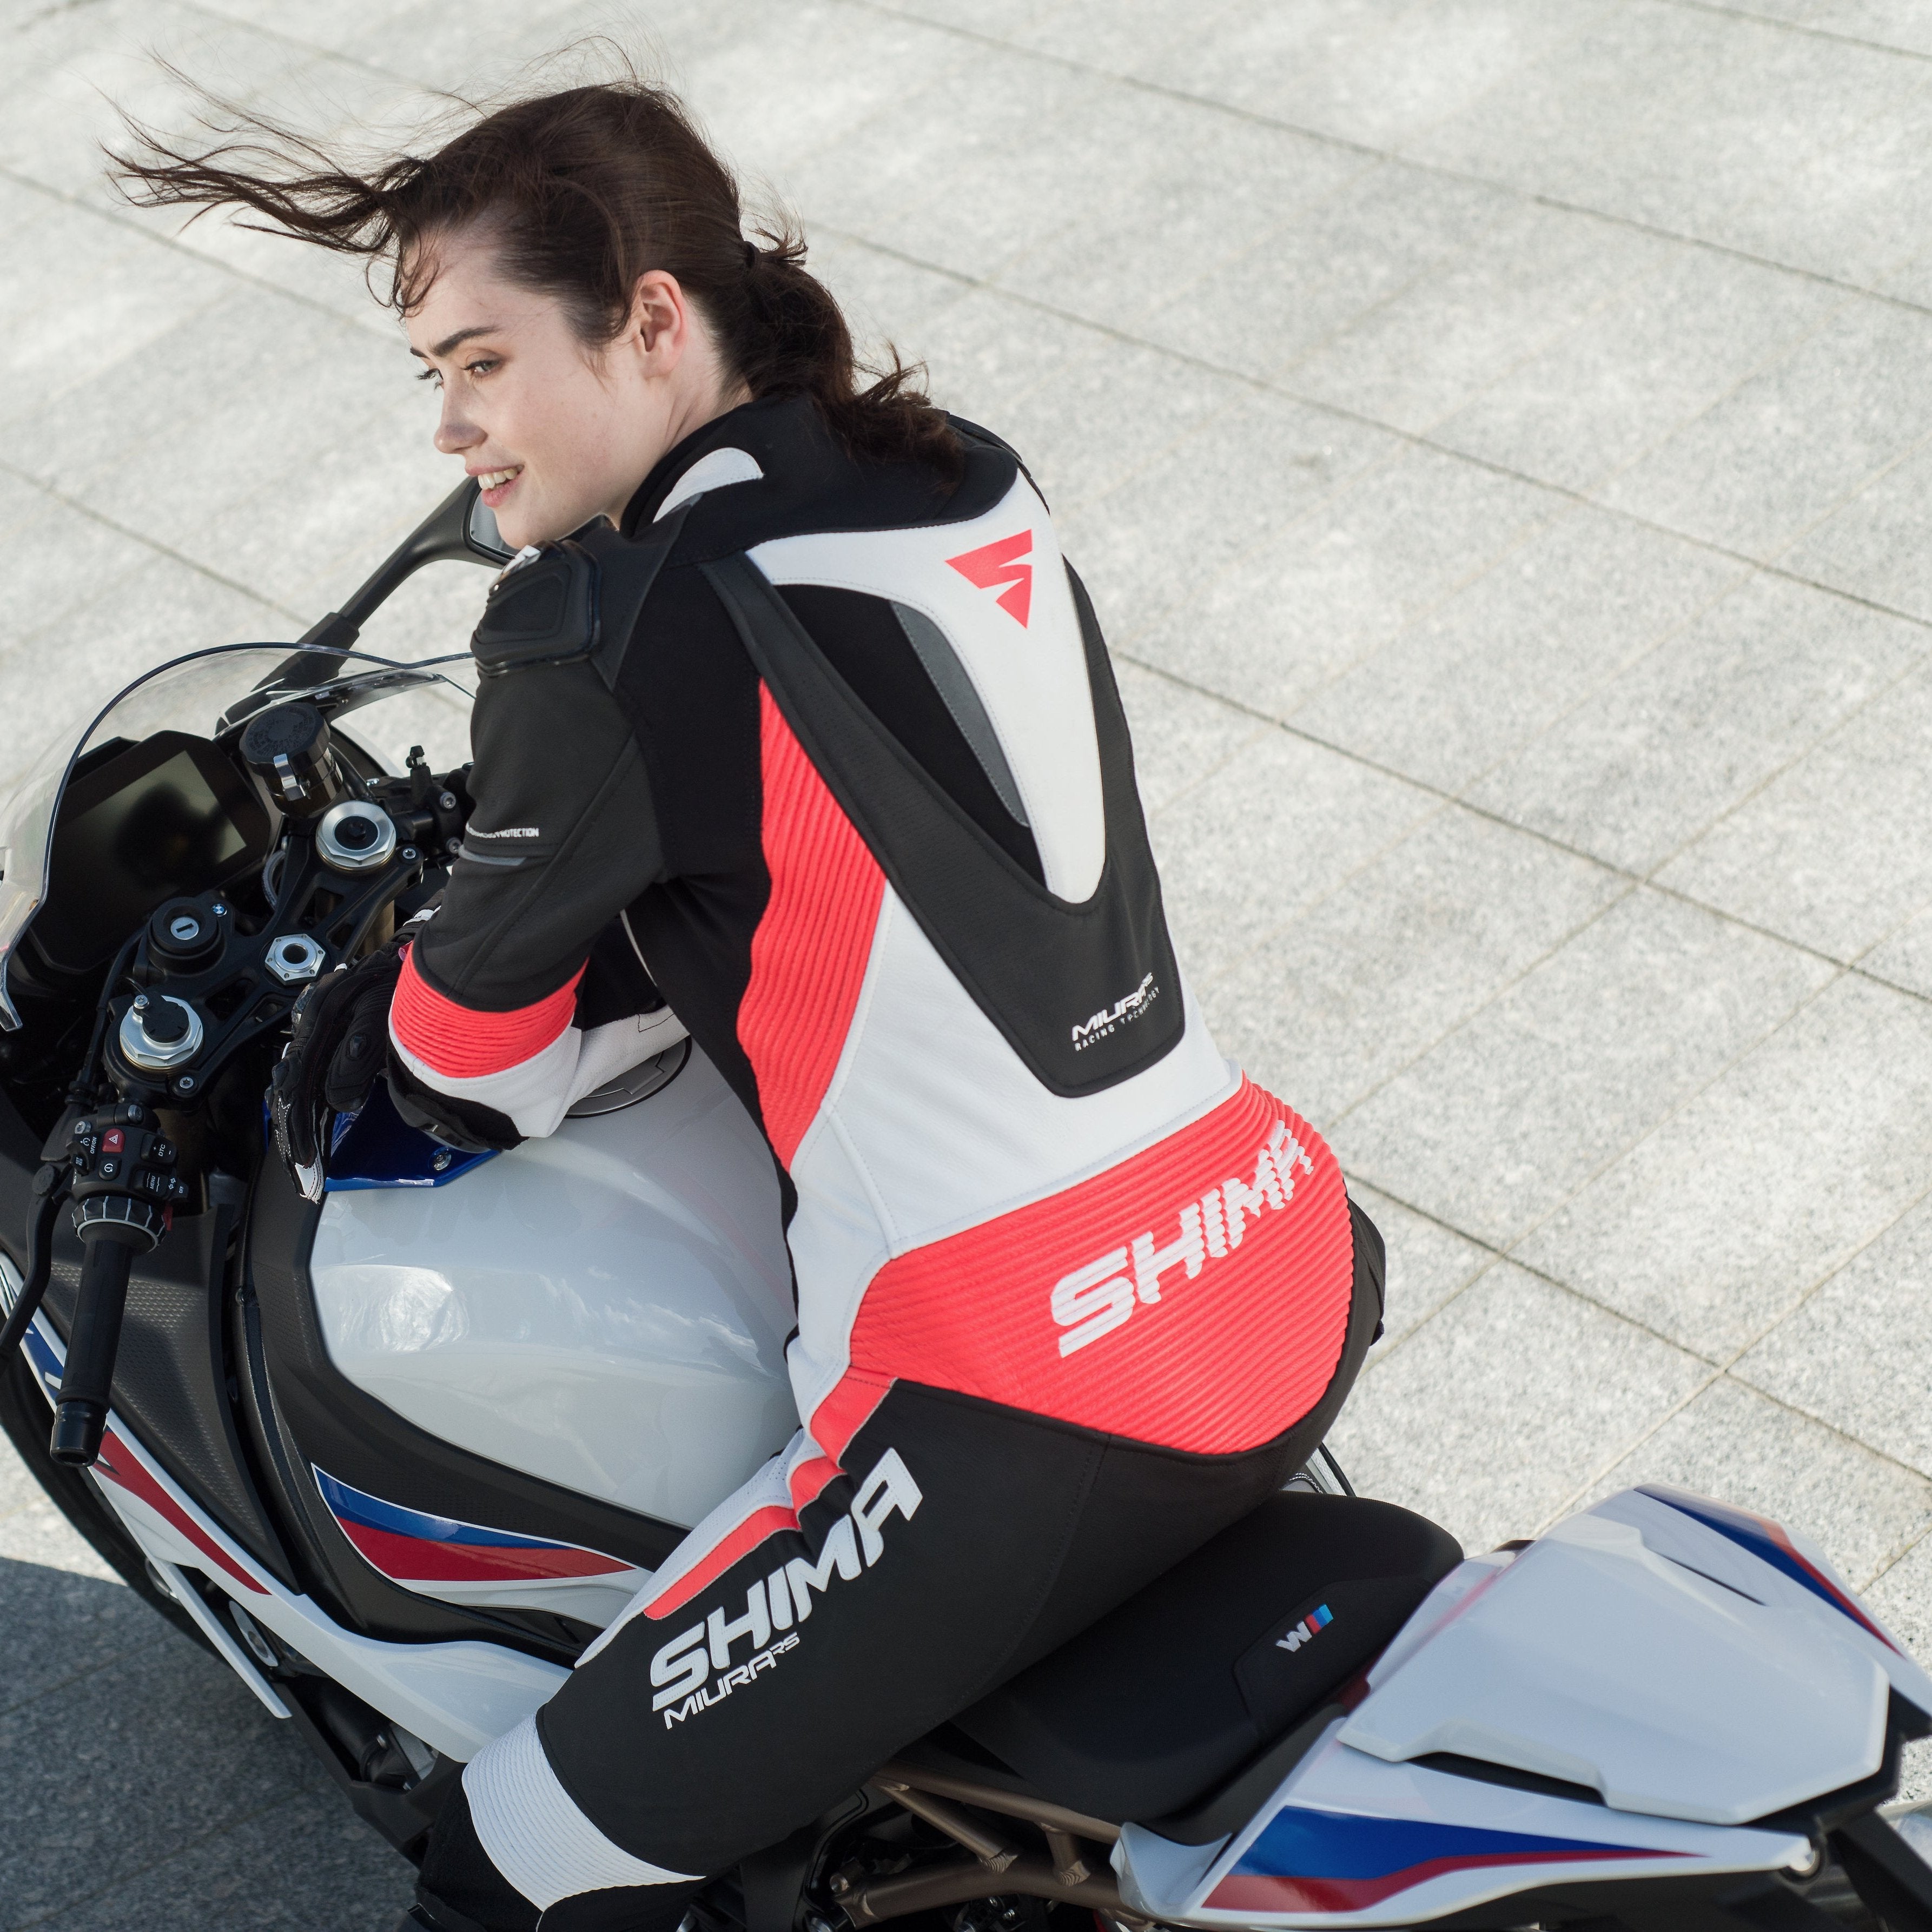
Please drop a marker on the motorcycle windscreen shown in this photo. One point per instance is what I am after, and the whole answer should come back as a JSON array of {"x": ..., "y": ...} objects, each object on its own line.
[{"x": 133, "y": 803}]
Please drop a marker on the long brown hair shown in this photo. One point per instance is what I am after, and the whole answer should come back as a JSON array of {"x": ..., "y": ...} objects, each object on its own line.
[{"x": 582, "y": 191}]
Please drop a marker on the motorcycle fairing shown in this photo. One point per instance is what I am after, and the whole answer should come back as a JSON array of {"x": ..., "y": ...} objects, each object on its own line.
[
  {"x": 455, "y": 1696},
  {"x": 470, "y": 1563},
  {"x": 1677, "y": 1676},
  {"x": 1693, "y": 1680},
  {"x": 1352, "y": 1839},
  {"x": 303, "y": 1413}
]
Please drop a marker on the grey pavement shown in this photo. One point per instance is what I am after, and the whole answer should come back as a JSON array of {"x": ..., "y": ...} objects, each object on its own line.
[{"x": 1497, "y": 435}]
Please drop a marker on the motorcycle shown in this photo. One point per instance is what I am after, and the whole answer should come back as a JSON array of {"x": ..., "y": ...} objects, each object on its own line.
[{"x": 398, "y": 1456}]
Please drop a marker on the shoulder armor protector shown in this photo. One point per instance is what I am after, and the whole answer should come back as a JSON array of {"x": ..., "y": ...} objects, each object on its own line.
[
  {"x": 577, "y": 599},
  {"x": 541, "y": 612}
]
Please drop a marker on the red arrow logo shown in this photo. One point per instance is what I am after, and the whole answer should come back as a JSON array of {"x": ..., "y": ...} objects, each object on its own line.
[{"x": 998, "y": 563}]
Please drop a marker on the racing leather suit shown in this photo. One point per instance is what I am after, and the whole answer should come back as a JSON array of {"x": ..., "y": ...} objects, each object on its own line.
[{"x": 827, "y": 755}]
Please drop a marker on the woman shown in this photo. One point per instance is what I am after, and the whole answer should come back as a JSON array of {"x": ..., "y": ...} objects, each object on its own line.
[{"x": 792, "y": 699}]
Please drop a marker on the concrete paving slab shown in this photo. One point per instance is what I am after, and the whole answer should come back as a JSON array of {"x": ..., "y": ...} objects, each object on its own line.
[
  {"x": 1302, "y": 608},
  {"x": 1428, "y": 1264},
  {"x": 63, "y": 1625},
  {"x": 1874, "y": 547},
  {"x": 119, "y": 295},
  {"x": 1903, "y": 959},
  {"x": 1353, "y": 989},
  {"x": 1733, "y": 1443},
  {"x": 1795, "y": 441},
  {"x": 1690, "y": 731},
  {"x": 1472, "y": 681},
  {"x": 1138, "y": 37},
  {"x": 969, "y": 170},
  {"x": 1530, "y": 279},
  {"x": 1766, "y": 1183},
  {"x": 1903, "y": 24},
  {"x": 126, "y": 1736},
  {"x": 1181, "y": 736},
  {"x": 1494, "y": 1127},
  {"x": 1637, "y": 369},
  {"x": 1243, "y": 476},
  {"x": 1465, "y": 1422},
  {"x": 213, "y": 393},
  {"x": 1831, "y": 853},
  {"x": 1106, "y": 417},
  {"x": 1858, "y": 1355},
  {"x": 1311, "y": 276},
  {"x": 307, "y": 1864},
  {"x": 1373, "y": 70},
  {"x": 1280, "y": 825},
  {"x": 62, "y": 557},
  {"x": 1852, "y": 212},
  {"x": 70, "y": 69},
  {"x": 1203, "y": 185},
  {"x": 847, "y": 69},
  {"x": 1671, "y": 115}
]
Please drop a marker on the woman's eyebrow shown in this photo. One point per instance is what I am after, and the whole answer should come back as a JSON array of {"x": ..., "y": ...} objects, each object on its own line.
[{"x": 450, "y": 342}]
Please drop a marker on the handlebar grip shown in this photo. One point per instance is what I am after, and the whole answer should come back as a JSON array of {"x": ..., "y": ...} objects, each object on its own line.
[{"x": 80, "y": 1417}]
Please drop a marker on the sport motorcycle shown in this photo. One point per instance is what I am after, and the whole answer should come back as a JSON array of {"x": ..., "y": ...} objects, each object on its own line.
[{"x": 397, "y": 1456}]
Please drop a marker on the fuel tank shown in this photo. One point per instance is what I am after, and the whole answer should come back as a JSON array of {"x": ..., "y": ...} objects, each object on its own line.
[{"x": 606, "y": 1309}]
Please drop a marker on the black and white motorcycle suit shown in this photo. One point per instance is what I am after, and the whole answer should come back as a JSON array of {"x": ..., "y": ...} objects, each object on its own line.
[{"x": 834, "y": 747}]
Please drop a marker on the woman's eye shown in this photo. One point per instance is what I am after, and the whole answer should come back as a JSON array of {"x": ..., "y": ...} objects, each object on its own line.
[
  {"x": 429, "y": 375},
  {"x": 481, "y": 367}
]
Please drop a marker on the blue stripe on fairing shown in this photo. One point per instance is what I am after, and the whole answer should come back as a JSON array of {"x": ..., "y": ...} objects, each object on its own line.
[
  {"x": 355, "y": 1505},
  {"x": 1300, "y": 1844},
  {"x": 1751, "y": 1533}
]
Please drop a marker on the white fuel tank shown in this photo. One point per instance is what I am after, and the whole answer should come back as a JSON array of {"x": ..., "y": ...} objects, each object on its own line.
[{"x": 606, "y": 1309}]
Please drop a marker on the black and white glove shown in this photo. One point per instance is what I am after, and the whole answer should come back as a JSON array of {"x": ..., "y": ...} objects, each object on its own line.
[{"x": 340, "y": 1044}]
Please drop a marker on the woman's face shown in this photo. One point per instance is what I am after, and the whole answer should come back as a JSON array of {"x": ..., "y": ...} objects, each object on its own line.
[{"x": 557, "y": 432}]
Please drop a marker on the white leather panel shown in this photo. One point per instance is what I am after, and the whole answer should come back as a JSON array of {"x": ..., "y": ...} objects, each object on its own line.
[
  {"x": 536, "y": 1094},
  {"x": 932, "y": 1124},
  {"x": 533, "y": 1832},
  {"x": 1031, "y": 678},
  {"x": 712, "y": 471}
]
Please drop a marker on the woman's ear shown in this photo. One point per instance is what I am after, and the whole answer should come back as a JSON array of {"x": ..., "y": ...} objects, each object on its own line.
[{"x": 660, "y": 322}]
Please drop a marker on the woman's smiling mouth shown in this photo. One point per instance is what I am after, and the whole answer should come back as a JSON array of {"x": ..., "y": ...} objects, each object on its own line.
[{"x": 495, "y": 484}]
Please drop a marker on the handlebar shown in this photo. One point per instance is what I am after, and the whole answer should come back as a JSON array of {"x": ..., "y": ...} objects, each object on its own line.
[{"x": 80, "y": 1417}]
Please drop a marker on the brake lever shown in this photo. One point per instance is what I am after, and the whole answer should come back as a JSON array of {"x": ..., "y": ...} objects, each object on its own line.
[{"x": 50, "y": 1190}]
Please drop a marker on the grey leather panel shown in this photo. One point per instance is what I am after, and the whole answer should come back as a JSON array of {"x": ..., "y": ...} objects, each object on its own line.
[{"x": 955, "y": 687}]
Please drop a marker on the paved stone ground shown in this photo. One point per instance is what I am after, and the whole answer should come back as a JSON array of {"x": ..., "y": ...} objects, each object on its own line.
[{"x": 1498, "y": 435}]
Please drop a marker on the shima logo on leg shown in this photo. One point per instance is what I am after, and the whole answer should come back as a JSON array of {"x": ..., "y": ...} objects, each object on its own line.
[{"x": 694, "y": 1671}]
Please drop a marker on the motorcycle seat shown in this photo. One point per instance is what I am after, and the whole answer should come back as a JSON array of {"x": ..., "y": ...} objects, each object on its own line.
[{"x": 1160, "y": 1701}]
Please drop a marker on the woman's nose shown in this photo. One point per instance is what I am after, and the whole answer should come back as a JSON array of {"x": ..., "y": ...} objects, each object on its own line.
[{"x": 453, "y": 435}]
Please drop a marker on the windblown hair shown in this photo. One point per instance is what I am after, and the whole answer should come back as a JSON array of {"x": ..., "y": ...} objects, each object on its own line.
[{"x": 582, "y": 191}]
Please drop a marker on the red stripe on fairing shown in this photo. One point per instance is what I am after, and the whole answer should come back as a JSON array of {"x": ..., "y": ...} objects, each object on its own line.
[
  {"x": 119, "y": 1465},
  {"x": 465, "y": 1044},
  {"x": 809, "y": 951},
  {"x": 1219, "y": 1363},
  {"x": 740, "y": 1541},
  {"x": 416, "y": 1560},
  {"x": 1257, "y": 1891}
]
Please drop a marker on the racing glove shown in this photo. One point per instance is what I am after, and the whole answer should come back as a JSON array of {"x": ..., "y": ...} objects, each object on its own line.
[{"x": 340, "y": 1043}]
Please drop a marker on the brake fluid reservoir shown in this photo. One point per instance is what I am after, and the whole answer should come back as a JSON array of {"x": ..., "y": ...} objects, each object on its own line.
[{"x": 606, "y": 1309}]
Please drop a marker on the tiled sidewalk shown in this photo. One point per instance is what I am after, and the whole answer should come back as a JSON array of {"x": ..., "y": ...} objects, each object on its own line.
[{"x": 1498, "y": 437}]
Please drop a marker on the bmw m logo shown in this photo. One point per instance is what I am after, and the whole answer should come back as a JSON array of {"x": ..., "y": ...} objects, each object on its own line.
[{"x": 1311, "y": 1625}]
